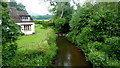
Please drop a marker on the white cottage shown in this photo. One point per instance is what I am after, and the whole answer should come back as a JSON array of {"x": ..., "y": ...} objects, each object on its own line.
[{"x": 23, "y": 19}]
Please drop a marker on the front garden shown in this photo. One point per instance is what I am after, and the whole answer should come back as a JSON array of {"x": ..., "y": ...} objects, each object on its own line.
[{"x": 36, "y": 49}]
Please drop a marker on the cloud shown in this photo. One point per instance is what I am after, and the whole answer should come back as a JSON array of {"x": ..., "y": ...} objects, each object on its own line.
[{"x": 35, "y": 6}]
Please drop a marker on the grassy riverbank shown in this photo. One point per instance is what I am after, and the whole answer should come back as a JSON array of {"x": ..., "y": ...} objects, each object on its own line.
[{"x": 40, "y": 52}]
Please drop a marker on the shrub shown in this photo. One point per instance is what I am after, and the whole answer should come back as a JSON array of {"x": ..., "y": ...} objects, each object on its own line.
[
  {"x": 113, "y": 45},
  {"x": 45, "y": 24},
  {"x": 92, "y": 46},
  {"x": 38, "y": 22},
  {"x": 111, "y": 62},
  {"x": 97, "y": 57},
  {"x": 85, "y": 36}
]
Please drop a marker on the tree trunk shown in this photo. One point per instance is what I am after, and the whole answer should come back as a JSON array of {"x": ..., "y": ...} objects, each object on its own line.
[{"x": 62, "y": 10}]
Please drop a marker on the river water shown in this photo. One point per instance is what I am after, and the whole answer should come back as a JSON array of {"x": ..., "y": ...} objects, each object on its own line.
[{"x": 69, "y": 55}]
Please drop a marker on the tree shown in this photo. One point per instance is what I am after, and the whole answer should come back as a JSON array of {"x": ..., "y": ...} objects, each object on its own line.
[
  {"x": 94, "y": 28},
  {"x": 0, "y": 11},
  {"x": 0, "y": 45},
  {"x": 62, "y": 15},
  {"x": 10, "y": 33},
  {"x": 19, "y": 6}
]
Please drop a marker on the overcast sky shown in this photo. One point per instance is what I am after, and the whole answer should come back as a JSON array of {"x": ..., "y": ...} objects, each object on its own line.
[{"x": 37, "y": 6}]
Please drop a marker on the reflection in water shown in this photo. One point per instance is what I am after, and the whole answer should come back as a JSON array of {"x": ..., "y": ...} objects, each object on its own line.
[
  {"x": 66, "y": 63},
  {"x": 69, "y": 55}
]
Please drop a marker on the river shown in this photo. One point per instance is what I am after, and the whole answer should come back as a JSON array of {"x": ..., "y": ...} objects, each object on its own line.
[{"x": 69, "y": 55}]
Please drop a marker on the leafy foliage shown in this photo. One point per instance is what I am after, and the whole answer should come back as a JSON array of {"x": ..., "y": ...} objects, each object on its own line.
[
  {"x": 10, "y": 33},
  {"x": 114, "y": 47},
  {"x": 0, "y": 11},
  {"x": 19, "y": 6},
  {"x": 97, "y": 57},
  {"x": 95, "y": 29},
  {"x": 62, "y": 15},
  {"x": 0, "y": 45}
]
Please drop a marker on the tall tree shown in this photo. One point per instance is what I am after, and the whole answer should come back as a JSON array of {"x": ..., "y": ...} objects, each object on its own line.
[
  {"x": 19, "y": 6},
  {"x": 62, "y": 15}
]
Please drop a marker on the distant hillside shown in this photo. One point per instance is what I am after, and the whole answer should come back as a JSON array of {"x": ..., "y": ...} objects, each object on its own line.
[
  {"x": 33, "y": 14},
  {"x": 42, "y": 17}
]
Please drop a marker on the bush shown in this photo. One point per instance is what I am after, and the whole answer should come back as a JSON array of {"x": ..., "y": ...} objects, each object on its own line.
[
  {"x": 85, "y": 36},
  {"x": 113, "y": 45},
  {"x": 38, "y": 22},
  {"x": 96, "y": 45},
  {"x": 92, "y": 46},
  {"x": 45, "y": 24},
  {"x": 97, "y": 58},
  {"x": 111, "y": 62}
]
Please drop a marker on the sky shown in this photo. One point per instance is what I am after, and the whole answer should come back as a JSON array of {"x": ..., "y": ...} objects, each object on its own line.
[
  {"x": 38, "y": 6},
  {"x": 34, "y": 6}
]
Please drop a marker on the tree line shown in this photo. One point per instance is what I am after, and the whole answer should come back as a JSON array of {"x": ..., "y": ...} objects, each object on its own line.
[{"x": 42, "y": 17}]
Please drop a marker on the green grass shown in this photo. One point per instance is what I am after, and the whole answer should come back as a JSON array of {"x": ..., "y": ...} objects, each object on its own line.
[
  {"x": 36, "y": 55},
  {"x": 32, "y": 39}
]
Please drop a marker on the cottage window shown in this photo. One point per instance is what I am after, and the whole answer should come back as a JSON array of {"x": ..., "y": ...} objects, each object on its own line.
[
  {"x": 27, "y": 27},
  {"x": 25, "y": 18}
]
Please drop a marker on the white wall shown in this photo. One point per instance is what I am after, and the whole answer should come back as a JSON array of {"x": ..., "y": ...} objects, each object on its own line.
[
  {"x": 0, "y": 22},
  {"x": 27, "y": 32}
]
